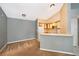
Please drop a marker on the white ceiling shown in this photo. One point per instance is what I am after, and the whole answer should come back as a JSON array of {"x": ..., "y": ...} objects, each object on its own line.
[{"x": 32, "y": 10}]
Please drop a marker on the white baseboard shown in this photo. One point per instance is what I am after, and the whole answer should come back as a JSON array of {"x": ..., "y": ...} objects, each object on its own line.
[
  {"x": 21, "y": 40},
  {"x": 56, "y": 51},
  {"x": 15, "y": 42}
]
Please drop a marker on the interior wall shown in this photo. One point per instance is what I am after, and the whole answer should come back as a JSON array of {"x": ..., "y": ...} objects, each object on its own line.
[
  {"x": 3, "y": 28},
  {"x": 74, "y": 14},
  {"x": 62, "y": 16},
  {"x": 69, "y": 18},
  {"x": 19, "y": 29}
]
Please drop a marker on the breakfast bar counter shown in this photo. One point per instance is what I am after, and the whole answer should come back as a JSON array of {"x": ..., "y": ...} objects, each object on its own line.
[{"x": 59, "y": 42}]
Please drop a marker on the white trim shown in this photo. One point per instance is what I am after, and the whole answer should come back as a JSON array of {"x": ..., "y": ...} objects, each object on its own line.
[
  {"x": 74, "y": 29},
  {"x": 20, "y": 40},
  {"x": 57, "y": 51}
]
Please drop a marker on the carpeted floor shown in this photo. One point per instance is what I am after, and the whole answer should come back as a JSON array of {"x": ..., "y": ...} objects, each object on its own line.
[{"x": 28, "y": 48}]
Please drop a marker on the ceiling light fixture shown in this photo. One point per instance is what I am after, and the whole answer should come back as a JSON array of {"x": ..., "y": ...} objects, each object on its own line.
[
  {"x": 52, "y": 5},
  {"x": 23, "y": 15}
]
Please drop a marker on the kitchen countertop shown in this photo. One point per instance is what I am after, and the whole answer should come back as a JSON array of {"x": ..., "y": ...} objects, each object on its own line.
[{"x": 55, "y": 34}]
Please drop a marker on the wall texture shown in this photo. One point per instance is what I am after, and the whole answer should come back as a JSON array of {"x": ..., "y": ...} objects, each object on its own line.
[
  {"x": 19, "y": 29},
  {"x": 3, "y": 28}
]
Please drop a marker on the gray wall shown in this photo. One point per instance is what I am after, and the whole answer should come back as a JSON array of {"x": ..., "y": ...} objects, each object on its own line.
[
  {"x": 56, "y": 42},
  {"x": 74, "y": 5},
  {"x": 3, "y": 28},
  {"x": 19, "y": 29},
  {"x": 74, "y": 14}
]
